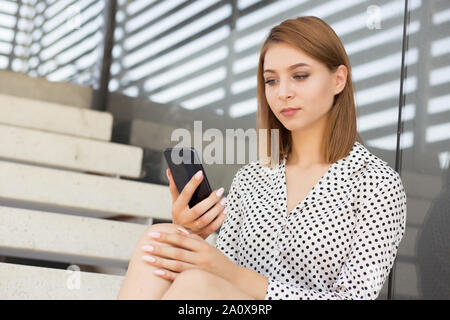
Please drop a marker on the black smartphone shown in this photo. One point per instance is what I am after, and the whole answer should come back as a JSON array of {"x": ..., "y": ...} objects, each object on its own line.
[{"x": 183, "y": 164}]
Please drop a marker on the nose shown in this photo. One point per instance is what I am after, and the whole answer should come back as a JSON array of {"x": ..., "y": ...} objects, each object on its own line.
[{"x": 285, "y": 91}]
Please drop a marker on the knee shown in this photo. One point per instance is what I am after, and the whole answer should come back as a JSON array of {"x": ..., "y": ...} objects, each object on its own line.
[
  {"x": 189, "y": 284},
  {"x": 145, "y": 239},
  {"x": 193, "y": 278},
  {"x": 159, "y": 227}
]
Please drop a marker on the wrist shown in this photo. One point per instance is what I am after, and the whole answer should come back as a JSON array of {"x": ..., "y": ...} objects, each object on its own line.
[{"x": 232, "y": 274}]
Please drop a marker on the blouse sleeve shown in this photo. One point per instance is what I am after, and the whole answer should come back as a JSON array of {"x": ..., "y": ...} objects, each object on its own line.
[
  {"x": 227, "y": 240},
  {"x": 380, "y": 226}
]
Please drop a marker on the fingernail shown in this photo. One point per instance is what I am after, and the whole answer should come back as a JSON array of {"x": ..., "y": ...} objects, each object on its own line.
[
  {"x": 223, "y": 201},
  {"x": 220, "y": 192},
  {"x": 225, "y": 211},
  {"x": 160, "y": 272},
  {"x": 148, "y": 258},
  {"x": 154, "y": 234},
  {"x": 147, "y": 248},
  {"x": 198, "y": 175},
  {"x": 167, "y": 172},
  {"x": 183, "y": 230}
]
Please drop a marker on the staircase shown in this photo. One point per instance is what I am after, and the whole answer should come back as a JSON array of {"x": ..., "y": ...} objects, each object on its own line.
[{"x": 68, "y": 199}]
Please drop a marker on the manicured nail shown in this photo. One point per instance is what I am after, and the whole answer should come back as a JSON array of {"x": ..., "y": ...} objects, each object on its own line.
[
  {"x": 160, "y": 272},
  {"x": 220, "y": 192},
  {"x": 154, "y": 234},
  {"x": 198, "y": 175},
  {"x": 183, "y": 230},
  {"x": 147, "y": 248},
  {"x": 225, "y": 211},
  {"x": 148, "y": 258},
  {"x": 223, "y": 201}
]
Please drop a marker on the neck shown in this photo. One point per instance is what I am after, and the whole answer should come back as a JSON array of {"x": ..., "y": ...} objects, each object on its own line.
[{"x": 306, "y": 149}]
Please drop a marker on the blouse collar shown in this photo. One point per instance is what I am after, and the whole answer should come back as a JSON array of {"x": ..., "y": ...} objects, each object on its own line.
[{"x": 347, "y": 166}]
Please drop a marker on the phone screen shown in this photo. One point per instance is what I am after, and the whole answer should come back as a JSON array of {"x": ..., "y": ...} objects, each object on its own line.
[{"x": 183, "y": 164}]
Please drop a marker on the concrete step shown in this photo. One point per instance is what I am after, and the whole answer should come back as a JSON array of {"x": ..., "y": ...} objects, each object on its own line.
[
  {"x": 36, "y": 283},
  {"x": 62, "y": 151},
  {"x": 38, "y": 88},
  {"x": 58, "y": 118},
  {"x": 63, "y": 238},
  {"x": 54, "y": 190}
]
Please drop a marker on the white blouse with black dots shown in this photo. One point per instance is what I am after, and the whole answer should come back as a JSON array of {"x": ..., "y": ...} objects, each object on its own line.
[{"x": 339, "y": 242}]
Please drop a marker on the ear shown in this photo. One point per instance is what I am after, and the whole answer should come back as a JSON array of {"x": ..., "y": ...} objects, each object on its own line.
[{"x": 340, "y": 78}]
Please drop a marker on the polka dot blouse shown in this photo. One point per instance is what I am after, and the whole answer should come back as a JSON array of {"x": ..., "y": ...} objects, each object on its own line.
[{"x": 339, "y": 242}]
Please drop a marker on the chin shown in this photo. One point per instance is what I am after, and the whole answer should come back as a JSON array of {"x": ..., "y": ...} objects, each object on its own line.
[
  {"x": 296, "y": 126},
  {"x": 293, "y": 124},
  {"x": 290, "y": 126},
  {"x": 293, "y": 128}
]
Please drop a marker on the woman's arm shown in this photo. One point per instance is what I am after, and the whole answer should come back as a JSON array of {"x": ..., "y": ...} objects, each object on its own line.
[{"x": 250, "y": 282}]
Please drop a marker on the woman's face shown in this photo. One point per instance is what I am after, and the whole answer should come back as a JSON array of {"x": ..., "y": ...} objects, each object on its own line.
[{"x": 310, "y": 88}]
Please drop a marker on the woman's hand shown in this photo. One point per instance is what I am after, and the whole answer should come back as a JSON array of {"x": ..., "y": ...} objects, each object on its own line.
[
  {"x": 202, "y": 219},
  {"x": 188, "y": 251}
]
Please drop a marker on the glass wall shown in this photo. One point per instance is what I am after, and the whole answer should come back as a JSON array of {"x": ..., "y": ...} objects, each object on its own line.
[
  {"x": 423, "y": 265},
  {"x": 60, "y": 40}
]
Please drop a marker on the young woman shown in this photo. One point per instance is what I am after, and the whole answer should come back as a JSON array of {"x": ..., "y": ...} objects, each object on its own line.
[{"x": 322, "y": 221}]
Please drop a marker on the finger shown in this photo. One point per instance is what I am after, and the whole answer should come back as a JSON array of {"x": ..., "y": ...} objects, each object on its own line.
[
  {"x": 166, "y": 274},
  {"x": 213, "y": 226},
  {"x": 185, "y": 246},
  {"x": 175, "y": 254},
  {"x": 190, "y": 235},
  {"x": 166, "y": 264},
  {"x": 172, "y": 187},
  {"x": 209, "y": 216},
  {"x": 204, "y": 205},
  {"x": 187, "y": 192}
]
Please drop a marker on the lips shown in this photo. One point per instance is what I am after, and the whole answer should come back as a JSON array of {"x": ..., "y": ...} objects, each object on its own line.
[{"x": 289, "y": 111}]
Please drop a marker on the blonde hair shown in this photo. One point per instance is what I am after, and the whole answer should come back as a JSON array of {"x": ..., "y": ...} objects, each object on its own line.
[{"x": 318, "y": 40}]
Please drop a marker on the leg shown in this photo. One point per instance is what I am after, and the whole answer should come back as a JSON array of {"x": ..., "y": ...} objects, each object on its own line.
[
  {"x": 139, "y": 281},
  {"x": 196, "y": 284}
]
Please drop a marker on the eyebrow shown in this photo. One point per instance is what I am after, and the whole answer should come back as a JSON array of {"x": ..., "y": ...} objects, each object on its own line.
[{"x": 301, "y": 64}]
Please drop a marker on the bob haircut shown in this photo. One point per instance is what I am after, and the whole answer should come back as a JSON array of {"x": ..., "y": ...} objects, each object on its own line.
[{"x": 319, "y": 41}]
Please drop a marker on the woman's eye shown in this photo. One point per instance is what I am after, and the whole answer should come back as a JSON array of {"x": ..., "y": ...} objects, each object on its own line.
[{"x": 270, "y": 82}]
